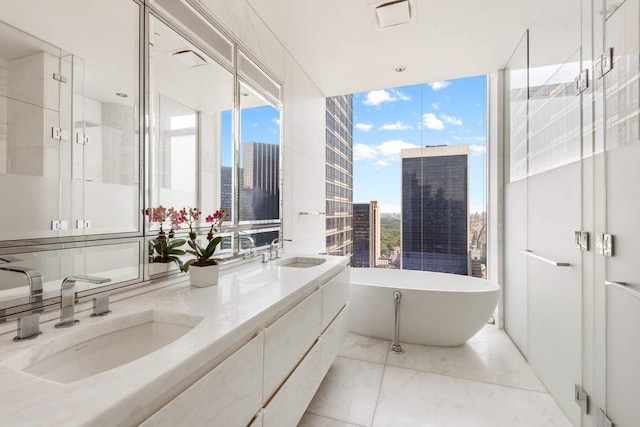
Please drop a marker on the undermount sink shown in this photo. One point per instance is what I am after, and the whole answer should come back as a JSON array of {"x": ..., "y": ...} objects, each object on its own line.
[
  {"x": 300, "y": 262},
  {"x": 85, "y": 352}
]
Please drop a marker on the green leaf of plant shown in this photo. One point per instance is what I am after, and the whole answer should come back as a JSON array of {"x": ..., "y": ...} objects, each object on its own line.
[
  {"x": 176, "y": 243},
  {"x": 211, "y": 247},
  {"x": 186, "y": 265}
]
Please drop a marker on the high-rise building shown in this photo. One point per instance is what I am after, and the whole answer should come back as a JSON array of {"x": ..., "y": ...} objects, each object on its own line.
[
  {"x": 260, "y": 182},
  {"x": 339, "y": 178},
  {"x": 366, "y": 234},
  {"x": 435, "y": 209}
]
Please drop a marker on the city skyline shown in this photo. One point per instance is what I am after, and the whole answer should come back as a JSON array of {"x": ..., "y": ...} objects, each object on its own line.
[{"x": 386, "y": 121}]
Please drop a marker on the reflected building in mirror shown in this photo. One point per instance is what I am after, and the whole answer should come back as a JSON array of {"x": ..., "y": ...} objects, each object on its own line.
[
  {"x": 260, "y": 184},
  {"x": 226, "y": 189},
  {"x": 435, "y": 209}
]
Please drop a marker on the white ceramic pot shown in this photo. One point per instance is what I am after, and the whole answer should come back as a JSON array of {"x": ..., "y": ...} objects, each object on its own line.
[{"x": 202, "y": 277}]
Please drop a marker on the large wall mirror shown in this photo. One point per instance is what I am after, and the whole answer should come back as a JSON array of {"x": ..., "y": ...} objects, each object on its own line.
[
  {"x": 69, "y": 112},
  {"x": 77, "y": 101},
  {"x": 70, "y": 75}
]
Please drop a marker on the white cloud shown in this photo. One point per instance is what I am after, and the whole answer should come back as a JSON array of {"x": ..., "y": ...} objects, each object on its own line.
[
  {"x": 451, "y": 119},
  {"x": 377, "y": 97},
  {"x": 392, "y": 148},
  {"x": 436, "y": 86},
  {"x": 381, "y": 163},
  {"x": 364, "y": 151},
  {"x": 395, "y": 126},
  {"x": 435, "y": 106},
  {"x": 381, "y": 155},
  {"x": 477, "y": 148},
  {"x": 432, "y": 122},
  {"x": 401, "y": 96},
  {"x": 364, "y": 127},
  {"x": 276, "y": 121},
  {"x": 254, "y": 124}
]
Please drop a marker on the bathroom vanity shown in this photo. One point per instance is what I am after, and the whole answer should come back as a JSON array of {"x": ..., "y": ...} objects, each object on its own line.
[{"x": 250, "y": 351}]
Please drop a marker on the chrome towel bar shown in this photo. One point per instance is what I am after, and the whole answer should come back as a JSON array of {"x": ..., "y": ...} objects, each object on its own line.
[
  {"x": 623, "y": 287},
  {"x": 543, "y": 259}
]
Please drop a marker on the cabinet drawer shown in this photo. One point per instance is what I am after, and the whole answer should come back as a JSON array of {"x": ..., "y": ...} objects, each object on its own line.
[
  {"x": 333, "y": 338},
  {"x": 287, "y": 341},
  {"x": 229, "y": 395},
  {"x": 334, "y": 296},
  {"x": 288, "y": 405}
]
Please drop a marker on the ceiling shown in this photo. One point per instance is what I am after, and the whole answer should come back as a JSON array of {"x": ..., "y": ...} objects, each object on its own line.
[{"x": 339, "y": 46}]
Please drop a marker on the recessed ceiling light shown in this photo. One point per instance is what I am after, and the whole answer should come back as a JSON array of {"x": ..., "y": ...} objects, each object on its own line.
[
  {"x": 122, "y": 95},
  {"x": 400, "y": 68}
]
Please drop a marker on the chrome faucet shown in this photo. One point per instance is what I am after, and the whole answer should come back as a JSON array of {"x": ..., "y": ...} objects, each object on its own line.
[
  {"x": 274, "y": 252},
  {"x": 29, "y": 324},
  {"x": 68, "y": 298},
  {"x": 252, "y": 244},
  {"x": 35, "y": 282}
]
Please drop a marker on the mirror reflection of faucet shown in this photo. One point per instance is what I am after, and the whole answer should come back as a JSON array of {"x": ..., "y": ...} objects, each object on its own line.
[
  {"x": 68, "y": 298},
  {"x": 29, "y": 323}
]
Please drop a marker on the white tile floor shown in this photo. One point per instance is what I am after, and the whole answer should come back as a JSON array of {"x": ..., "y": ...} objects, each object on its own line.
[{"x": 485, "y": 382}]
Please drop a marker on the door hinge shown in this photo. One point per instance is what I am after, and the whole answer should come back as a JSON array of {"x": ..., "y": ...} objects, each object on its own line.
[
  {"x": 59, "y": 134},
  {"x": 81, "y": 138},
  {"x": 59, "y": 224},
  {"x": 602, "y": 420},
  {"x": 582, "y": 81},
  {"x": 582, "y": 398},
  {"x": 604, "y": 244},
  {"x": 60, "y": 78},
  {"x": 581, "y": 240}
]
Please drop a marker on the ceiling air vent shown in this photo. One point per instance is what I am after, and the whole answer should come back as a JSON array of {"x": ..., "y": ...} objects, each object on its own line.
[
  {"x": 392, "y": 14},
  {"x": 189, "y": 58}
]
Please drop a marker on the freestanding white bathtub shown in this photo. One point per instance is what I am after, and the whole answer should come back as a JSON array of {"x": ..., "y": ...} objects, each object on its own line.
[{"x": 436, "y": 308}]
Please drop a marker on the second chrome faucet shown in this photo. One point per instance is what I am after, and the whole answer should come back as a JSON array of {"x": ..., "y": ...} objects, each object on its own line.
[{"x": 68, "y": 298}]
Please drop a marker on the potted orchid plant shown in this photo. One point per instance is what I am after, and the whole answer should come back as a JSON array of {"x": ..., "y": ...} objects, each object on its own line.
[
  {"x": 203, "y": 269},
  {"x": 165, "y": 249}
]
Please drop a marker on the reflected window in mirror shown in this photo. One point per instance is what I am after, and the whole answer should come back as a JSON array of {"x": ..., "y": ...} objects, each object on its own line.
[
  {"x": 191, "y": 99},
  {"x": 259, "y": 173}
]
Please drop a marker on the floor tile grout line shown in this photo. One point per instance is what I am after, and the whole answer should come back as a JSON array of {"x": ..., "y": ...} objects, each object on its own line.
[
  {"x": 386, "y": 363},
  {"x": 334, "y": 419},
  {"x": 384, "y": 370},
  {"x": 469, "y": 379}
]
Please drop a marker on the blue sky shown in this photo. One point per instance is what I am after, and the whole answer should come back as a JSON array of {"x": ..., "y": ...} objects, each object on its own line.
[{"x": 449, "y": 112}]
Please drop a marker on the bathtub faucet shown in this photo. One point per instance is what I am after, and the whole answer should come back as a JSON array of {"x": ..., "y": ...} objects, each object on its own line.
[{"x": 396, "y": 347}]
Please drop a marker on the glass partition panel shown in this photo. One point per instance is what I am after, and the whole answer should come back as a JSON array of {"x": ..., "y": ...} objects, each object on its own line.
[
  {"x": 259, "y": 173},
  {"x": 30, "y": 111},
  {"x": 516, "y": 93}
]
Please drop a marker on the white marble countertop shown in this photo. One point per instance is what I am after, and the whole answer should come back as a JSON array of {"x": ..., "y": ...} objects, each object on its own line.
[{"x": 247, "y": 299}]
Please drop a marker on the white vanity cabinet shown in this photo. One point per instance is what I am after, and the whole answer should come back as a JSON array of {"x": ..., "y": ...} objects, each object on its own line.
[
  {"x": 229, "y": 395},
  {"x": 293, "y": 396},
  {"x": 287, "y": 341},
  {"x": 271, "y": 380},
  {"x": 290, "y": 402}
]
